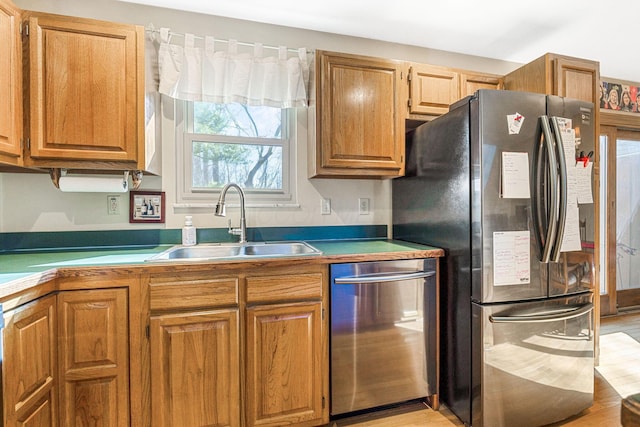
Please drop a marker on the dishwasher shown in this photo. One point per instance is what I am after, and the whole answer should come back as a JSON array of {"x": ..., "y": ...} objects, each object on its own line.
[{"x": 384, "y": 334}]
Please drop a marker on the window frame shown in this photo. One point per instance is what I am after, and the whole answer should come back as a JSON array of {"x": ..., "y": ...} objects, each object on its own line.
[{"x": 188, "y": 196}]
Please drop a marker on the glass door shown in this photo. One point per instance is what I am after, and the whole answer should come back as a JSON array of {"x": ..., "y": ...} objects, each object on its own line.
[
  {"x": 620, "y": 211},
  {"x": 607, "y": 221},
  {"x": 627, "y": 219}
]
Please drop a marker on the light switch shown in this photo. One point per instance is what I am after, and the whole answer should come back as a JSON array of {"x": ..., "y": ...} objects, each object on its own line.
[
  {"x": 113, "y": 204},
  {"x": 363, "y": 206},
  {"x": 325, "y": 206}
]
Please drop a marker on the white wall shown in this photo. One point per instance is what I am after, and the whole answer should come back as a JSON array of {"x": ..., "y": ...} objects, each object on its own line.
[{"x": 29, "y": 202}]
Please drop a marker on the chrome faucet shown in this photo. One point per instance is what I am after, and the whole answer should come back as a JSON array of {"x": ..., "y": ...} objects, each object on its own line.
[{"x": 220, "y": 211}]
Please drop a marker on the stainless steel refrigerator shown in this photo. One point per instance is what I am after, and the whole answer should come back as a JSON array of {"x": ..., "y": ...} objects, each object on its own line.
[{"x": 496, "y": 183}]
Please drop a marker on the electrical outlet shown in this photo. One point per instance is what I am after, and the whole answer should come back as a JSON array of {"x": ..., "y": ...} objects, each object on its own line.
[
  {"x": 113, "y": 204},
  {"x": 363, "y": 206},
  {"x": 325, "y": 206}
]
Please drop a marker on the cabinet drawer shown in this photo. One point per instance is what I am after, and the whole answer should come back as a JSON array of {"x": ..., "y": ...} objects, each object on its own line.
[
  {"x": 194, "y": 293},
  {"x": 284, "y": 287}
]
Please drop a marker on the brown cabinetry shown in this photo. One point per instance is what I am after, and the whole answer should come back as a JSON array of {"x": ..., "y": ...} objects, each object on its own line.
[
  {"x": 233, "y": 345},
  {"x": 195, "y": 351},
  {"x": 85, "y": 86},
  {"x": 93, "y": 356},
  {"x": 286, "y": 350},
  {"x": 29, "y": 365},
  {"x": 195, "y": 366},
  {"x": 470, "y": 82},
  {"x": 10, "y": 85},
  {"x": 432, "y": 89},
  {"x": 66, "y": 360},
  {"x": 359, "y": 117},
  {"x": 554, "y": 74},
  {"x": 73, "y": 92}
]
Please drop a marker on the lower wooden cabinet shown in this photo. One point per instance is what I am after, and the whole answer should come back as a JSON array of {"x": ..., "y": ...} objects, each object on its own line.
[
  {"x": 232, "y": 348},
  {"x": 29, "y": 363},
  {"x": 66, "y": 360},
  {"x": 93, "y": 356},
  {"x": 195, "y": 369},
  {"x": 284, "y": 365},
  {"x": 239, "y": 348}
]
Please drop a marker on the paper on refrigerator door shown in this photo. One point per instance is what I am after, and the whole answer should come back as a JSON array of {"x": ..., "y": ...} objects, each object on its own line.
[
  {"x": 568, "y": 136},
  {"x": 571, "y": 238},
  {"x": 511, "y": 257},
  {"x": 514, "y": 182},
  {"x": 583, "y": 182}
]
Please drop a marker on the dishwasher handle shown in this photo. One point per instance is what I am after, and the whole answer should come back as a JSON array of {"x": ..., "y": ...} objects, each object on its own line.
[
  {"x": 351, "y": 280},
  {"x": 563, "y": 314}
]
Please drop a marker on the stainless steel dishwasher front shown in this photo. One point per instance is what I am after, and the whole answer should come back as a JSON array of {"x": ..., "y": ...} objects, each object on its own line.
[{"x": 384, "y": 334}]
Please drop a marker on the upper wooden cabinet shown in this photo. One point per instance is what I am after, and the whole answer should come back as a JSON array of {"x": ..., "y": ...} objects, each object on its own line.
[
  {"x": 554, "y": 74},
  {"x": 85, "y": 86},
  {"x": 10, "y": 85},
  {"x": 432, "y": 89},
  {"x": 470, "y": 82},
  {"x": 359, "y": 117}
]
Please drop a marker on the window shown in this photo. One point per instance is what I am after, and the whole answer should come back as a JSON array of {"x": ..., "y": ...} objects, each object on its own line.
[{"x": 248, "y": 145}]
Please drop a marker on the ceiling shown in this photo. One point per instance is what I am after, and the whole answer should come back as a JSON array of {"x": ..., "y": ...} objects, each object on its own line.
[{"x": 510, "y": 31}]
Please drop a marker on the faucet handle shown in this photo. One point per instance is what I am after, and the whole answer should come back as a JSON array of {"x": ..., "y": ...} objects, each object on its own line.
[{"x": 234, "y": 231}]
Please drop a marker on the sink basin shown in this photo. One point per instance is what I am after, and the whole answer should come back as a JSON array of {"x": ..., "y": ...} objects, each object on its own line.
[
  {"x": 198, "y": 252},
  {"x": 214, "y": 251},
  {"x": 279, "y": 249}
]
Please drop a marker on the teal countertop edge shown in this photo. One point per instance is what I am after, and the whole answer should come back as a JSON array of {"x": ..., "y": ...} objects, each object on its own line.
[
  {"x": 19, "y": 266},
  {"x": 149, "y": 238}
]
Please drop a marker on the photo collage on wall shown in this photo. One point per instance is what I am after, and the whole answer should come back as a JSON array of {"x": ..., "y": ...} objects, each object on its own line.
[{"x": 619, "y": 97}]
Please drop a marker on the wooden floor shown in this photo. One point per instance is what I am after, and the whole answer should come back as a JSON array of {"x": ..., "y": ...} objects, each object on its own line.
[{"x": 605, "y": 411}]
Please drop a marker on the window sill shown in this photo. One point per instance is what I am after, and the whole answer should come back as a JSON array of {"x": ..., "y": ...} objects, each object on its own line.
[{"x": 236, "y": 205}]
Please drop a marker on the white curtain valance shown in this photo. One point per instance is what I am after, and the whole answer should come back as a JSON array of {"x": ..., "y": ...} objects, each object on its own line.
[{"x": 203, "y": 74}]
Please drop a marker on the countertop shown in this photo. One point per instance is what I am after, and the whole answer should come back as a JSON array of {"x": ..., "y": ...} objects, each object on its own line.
[{"x": 19, "y": 271}]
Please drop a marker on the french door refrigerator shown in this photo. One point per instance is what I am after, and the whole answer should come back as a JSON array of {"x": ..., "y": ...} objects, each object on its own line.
[{"x": 496, "y": 184}]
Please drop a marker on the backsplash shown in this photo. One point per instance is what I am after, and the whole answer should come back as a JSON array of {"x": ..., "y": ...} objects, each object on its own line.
[{"x": 117, "y": 239}]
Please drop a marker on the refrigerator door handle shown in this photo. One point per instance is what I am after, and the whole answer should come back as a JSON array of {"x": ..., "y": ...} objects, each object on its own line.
[
  {"x": 537, "y": 210},
  {"x": 562, "y": 190},
  {"x": 551, "y": 190},
  {"x": 350, "y": 280},
  {"x": 565, "y": 313}
]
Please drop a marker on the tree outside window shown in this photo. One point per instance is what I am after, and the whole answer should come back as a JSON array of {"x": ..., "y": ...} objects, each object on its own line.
[{"x": 237, "y": 143}]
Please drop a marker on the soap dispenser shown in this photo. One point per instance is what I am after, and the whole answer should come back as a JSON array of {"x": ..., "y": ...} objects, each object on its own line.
[{"x": 188, "y": 232}]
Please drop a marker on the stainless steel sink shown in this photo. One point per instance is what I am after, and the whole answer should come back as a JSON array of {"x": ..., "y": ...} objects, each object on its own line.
[
  {"x": 204, "y": 252},
  {"x": 279, "y": 249}
]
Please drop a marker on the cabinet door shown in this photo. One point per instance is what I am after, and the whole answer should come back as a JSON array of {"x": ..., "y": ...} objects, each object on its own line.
[
  {"x": 432, "y": 89},
  {"x": 85, "y": 89},
  {"x": 10, "y": 84},
  {"x": 195, "y": 369},
  {"x": 576, "y": 79},
  {"x": 29, "y": 365},
  {"x": 93, "y": 352},
  {"x": 284, "y": 365},
  {"x": 360, "y": 130},
  {"x": 471, "y": 82}
]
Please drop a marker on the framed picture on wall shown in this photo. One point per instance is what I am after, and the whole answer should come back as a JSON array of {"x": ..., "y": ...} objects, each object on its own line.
[{"x": 146, "y": 206}]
